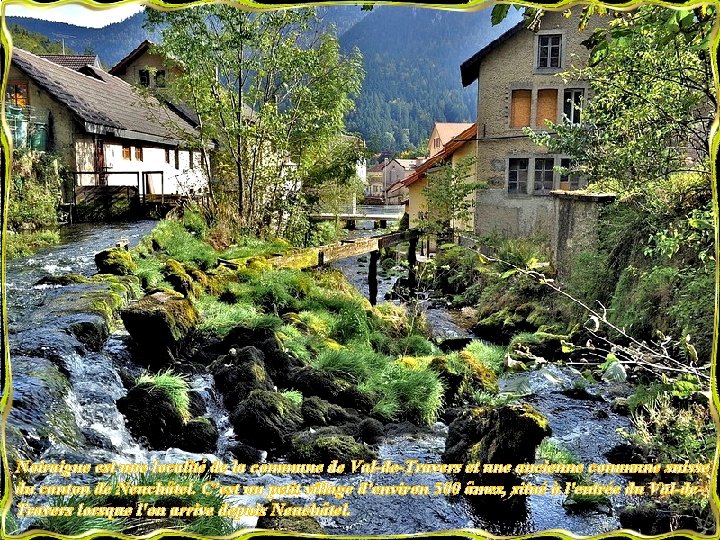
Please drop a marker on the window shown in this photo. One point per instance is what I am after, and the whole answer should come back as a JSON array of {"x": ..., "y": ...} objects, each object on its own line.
[
  {"x": 167, "y": 155},
  {"x": 520, "y": 108},
  {"x": 138, "y": 153},
  {"x": 543, "y": 176},
  {"x": 517, "y": 175},
  {"x": 549, "y": 51},
  {"x": 160, "y": 78},
  {"x": 144, "y": 77},
  {"x": 436, "y": 142},
  {"x": 572, "y": 101},
  {"x": 568, "y": 181},
  {"x": 17, "y": 94},
  {"x": 126, "y": 150},
  {"x": 546, "y": 110}
]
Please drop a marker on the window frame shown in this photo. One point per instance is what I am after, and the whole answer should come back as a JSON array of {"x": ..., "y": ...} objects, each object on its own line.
[
  {"x": 160, "y": 78},
  {"x": 517, "y": 181},
  {"x": 549, "y": 34},
  {"x": 576, "y": 112},
  {"x": 543, "y": 171},
  {"x": 138, "y": 153},
  {"x": 533, "y": 98},
  {"x": 17, "y": 84},
  {"x": 144, "y": 74},
  {"x": 126, "y": 152}
]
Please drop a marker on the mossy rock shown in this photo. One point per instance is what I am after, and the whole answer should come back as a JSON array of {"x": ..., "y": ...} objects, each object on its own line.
[
  {"x": 116, "y": 261},
  {"x": 245, "y": 453},
  {"x": 61, "y": 281},
  {"x": 318, "y": 412},
  {"x": 508, "y": 434},
  {"x": 316, "y": 448},
  {"x": 482, "y": 376},
  {"x": 539, "y": 344},
  {"x": 313, "y": 382},
  {"x": 176, "y": 276},
  {"x": 200, "y": 436},
  {"x": 370, "y": 431},
  {"x": 299, "y": 524},
  {"x": 455, "y": 384},
  {"x": 266, "y": 420},
  {"x": 239, "y": 373},
  {"x": 646, "y": 518},
  {"x": 159, "y": 324},
  {"x": 151, "y": 416}
]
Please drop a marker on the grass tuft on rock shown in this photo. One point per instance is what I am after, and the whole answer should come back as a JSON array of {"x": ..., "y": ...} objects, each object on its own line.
[{"x": 175, "y": 385}]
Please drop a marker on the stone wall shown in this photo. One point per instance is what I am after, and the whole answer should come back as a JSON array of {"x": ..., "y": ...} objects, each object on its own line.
[{"x": 575, "y": 224}]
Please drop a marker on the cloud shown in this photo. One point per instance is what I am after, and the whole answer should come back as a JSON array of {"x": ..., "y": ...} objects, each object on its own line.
[{"x": 75, "y": 14}]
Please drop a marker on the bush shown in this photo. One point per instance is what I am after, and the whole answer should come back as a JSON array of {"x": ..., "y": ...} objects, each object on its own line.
[
  {"x": 195, "y": 223},
  {"x": 27, "y": 243}
]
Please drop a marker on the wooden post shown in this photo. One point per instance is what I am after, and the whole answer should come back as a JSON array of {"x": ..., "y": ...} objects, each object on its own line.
[
  {"x": 372, "y": 277},
  {"x": 412, "y": 263}
]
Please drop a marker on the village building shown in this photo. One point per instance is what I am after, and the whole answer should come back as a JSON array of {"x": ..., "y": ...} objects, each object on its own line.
[
  {"x": 394, "y": 172},
  {"x": 74, "y": 61},
  {"x": 519, "y": 87},
  {"x": 442, "y": 133},
  {"x": 104, "y": 132},
  {"x": 462, "y": 146},
  {"x": 375, "y": 186},
  {"x": 146, "y": 68}
]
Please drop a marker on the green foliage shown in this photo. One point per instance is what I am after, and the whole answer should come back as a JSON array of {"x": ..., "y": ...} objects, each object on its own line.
[
  {"x": 652, "y": 94},
  {"x": 285, "y": 92},
  {"x": 491, "y": 356},
  {"x": 448, "y": 198},
  {"x": 293, "y": 396},
  {"x": 26, "y": 243},
  {"x": 174, "y": 385},
  {"x": 250, "y": 246},
  {"x": 75, "y": 525},
  {"x": 35, "y": 42},
  {"x": 194, "y": 222},
  {"x": 34, "y": 190},
  {"x": 174, "y": 240},
  {"x": 218, "y": 318}
]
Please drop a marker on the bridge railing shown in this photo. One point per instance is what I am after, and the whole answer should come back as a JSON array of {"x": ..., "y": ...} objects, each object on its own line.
[{"x": 389, "y": 211}]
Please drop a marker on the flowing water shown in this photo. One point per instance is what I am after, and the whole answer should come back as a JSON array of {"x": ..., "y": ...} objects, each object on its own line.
[{"x": 70, "y": 393}]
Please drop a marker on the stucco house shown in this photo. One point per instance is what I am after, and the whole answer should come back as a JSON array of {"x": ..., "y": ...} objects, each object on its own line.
[
  {"x": 375, "y": 188},
  {"x": 519, "y": 87},
  {"x": 461, "y": 146},
  {"x": 143, "y": 67},
  {"x": 442, "y": 133},
  {"x": 395, "y": 171},
  {"x": 102, "y": 129}
]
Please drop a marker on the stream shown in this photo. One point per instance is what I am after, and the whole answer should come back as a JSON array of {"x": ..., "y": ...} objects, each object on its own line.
[{"x": 67, "y": 396}]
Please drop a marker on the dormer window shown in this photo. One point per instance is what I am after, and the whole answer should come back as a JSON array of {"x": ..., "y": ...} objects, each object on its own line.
[
  {"x": 144, "y": 77},
  {"x": 549, "y": 51}
]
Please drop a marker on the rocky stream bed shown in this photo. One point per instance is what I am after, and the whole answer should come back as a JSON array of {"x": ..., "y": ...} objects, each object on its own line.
[{"x": 71, "y": 366}]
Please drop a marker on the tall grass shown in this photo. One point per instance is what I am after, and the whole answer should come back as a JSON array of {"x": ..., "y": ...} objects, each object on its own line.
[
  {"x": 218, "y": 318},
  {"x": 175, "y": 386},
  {"x": 492, "y": 356}
]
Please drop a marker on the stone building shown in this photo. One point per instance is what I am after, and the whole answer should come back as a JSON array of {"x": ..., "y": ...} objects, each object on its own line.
[{"x": 519, "y": 87}]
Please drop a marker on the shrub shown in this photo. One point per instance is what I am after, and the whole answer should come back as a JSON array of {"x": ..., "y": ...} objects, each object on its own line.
[{"x": 195, "y": 223}]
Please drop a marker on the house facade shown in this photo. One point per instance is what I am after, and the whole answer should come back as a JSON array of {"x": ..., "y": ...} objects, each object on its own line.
[
  {"x": 442, "y": 133},
  {"x": 463, "y": 146},
  {"x": 374, "y": 187},
  {"x": 102, "y": 129},
  {"x": 519, "y": 87},
  {"x": 395, "y": 171},
  {"x": 142, "y": 67}
]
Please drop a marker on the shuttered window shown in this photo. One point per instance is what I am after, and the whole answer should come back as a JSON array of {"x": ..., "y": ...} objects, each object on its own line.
[
  {"x": 520, "y": 108},
  {"x": 546, "y": 107}
]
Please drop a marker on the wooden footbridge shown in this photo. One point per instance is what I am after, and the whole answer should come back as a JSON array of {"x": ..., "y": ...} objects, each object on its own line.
[
  {"x": 363, "y": 212},
  {"x": 319, "y": 256}
]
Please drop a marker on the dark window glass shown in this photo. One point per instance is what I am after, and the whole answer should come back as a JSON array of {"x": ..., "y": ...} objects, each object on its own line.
[
  {"x": 543, "y": 176},
  {"x": 549, "y": 51},
  {"x": 572, "y": 102},
  {"x": 160, "y": 78},
  {"x": 144, "y": 77},
  {"x": 518, "y": 175}
]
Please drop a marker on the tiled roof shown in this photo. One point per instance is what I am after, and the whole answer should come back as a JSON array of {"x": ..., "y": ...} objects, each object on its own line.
[
  {"x": 105, "y": 104},
  {"x": 448, "y": 130},
  {"x": 448, "y": 150},
  {"x": 137, "y": 52},
  {"x": 73, "y": 61}
]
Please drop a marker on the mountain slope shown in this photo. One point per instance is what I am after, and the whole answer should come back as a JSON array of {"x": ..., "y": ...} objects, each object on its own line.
[{"x": 412, "y": 60}]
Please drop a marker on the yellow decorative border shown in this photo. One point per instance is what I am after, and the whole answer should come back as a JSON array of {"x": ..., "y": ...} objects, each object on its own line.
[{"x": 472, "y": 5}]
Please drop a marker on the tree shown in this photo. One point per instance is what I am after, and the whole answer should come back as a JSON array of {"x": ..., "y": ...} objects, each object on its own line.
[
  {"x": 268, "y": 87},
  {"x": 652, "y": 101},
  {"x": 447, "y": 196}
]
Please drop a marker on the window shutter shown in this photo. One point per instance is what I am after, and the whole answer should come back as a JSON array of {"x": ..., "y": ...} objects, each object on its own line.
[
  {"x": 520, "y": 108},
  {"x": 546, "y": 107}
]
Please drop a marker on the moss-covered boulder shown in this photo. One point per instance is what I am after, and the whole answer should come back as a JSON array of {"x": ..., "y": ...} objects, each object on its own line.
[
  {"x": 240, "y": 372},
  {"x": 506, "y": 434},
  {"x": 200, "y": 436},
  {"x": 151, "y": 416},
  {"x": 159, "y": 324},
  {"x": 115, "y": 261},
  {"x": 454, "y": 383},
  {"x": 370, "y": 431},
  {"x": 313, "y": 382},
  {"x": 175, "y": 275},
  {"x": 266, "y": 420},
  {"x": 530, "y": 346},
  {"x": 318, "y": 412},
  {"x": 646, "y": 518},
  {"x": 321, "y": 448},
  {"x": 245, "y": 453}
]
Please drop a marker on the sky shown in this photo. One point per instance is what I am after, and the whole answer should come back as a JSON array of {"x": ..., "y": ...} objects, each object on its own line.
[{"x": 76, "y": 14}]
